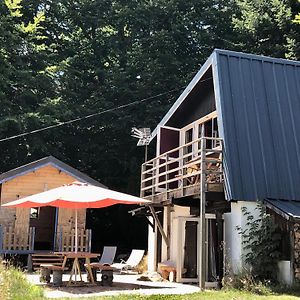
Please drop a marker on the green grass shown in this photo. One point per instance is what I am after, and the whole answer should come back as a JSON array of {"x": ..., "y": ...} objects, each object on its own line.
[
  {"x": 207, "y": 295},
  {"x": 14, "y": 286}
]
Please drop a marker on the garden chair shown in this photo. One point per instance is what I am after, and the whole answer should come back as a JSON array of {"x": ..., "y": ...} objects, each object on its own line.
[
  {"x": 131, "y": 263},
  {"x": 107, "y": 257}
]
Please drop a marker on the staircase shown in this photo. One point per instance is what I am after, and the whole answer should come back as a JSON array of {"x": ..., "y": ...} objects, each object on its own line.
[{"x": 46, "y": 258}]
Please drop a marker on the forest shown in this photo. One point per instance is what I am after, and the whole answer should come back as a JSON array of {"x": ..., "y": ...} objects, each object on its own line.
[{"x": 110, "y": 65}]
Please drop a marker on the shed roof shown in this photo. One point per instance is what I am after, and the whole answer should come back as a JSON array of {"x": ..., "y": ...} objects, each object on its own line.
[
  {"x": 49, "y": 160},
  {"x": 286, "y": 208},
  {"x": 258, "y": 108}
]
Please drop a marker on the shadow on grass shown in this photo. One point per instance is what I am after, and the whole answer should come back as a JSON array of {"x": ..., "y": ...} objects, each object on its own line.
[{"x": 292, "y": 290}]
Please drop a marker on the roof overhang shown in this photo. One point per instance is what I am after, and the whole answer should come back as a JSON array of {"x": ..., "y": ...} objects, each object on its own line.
[
  {"x": 48, "y": 161},
  {"x": 184, "y": 94},
  {"x": 288, "y": 209}
]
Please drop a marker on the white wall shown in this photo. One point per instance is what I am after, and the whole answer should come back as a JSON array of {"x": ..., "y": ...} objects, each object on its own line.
[
  {"x": 179, "y": 211},
  {"x": 233, "y": 240},
  {"x": 151, "y": 247}
]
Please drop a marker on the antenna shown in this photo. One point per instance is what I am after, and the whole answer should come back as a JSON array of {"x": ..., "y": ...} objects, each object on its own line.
[{"x": 144, "y": 135}]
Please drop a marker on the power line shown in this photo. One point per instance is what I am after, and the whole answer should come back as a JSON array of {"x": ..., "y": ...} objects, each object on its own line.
[{"x": 92, "y": 115}]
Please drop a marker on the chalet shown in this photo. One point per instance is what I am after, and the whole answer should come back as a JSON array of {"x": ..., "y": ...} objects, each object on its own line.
[
  {"x": 231, "y": 138},
  {"x": 24, "y": 230}
]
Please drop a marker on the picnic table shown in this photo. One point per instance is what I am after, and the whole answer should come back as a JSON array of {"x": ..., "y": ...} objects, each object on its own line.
[{"x": 76, "y": 271}]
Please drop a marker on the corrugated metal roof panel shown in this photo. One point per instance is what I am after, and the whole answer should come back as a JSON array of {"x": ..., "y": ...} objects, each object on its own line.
[
  {"x": 291, "y": 209},
  {"x": 258, "y": 105}
]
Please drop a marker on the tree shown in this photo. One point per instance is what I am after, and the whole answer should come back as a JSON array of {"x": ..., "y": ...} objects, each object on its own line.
[
  {"x": 297, "y": 17},
  {"x": 266, "y": 27}
]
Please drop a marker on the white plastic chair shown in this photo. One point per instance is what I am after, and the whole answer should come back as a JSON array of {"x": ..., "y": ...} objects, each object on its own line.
[{"x": 131, "y": 263}]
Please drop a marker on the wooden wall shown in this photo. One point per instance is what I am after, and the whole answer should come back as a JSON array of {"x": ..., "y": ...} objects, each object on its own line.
[{"x": 40, "y": 180}]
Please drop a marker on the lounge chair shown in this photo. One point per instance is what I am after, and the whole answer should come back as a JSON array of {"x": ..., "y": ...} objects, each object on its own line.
[
  {"x": 131, "y": 263},
  {"x": 104, "y": 262},
  {"x": 108, "y": 256}
]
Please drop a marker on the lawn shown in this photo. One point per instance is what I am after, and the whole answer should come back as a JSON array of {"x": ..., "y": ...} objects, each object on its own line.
[
  {"x": 207, "y": 295},
  {"x": 14, "y": 286}
]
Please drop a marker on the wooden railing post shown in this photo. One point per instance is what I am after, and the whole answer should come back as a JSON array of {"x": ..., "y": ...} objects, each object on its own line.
[
  {"x": 1, "y": 237},
  {"x": 60, "y": 240},
  {"x": 31, "y": 238}
]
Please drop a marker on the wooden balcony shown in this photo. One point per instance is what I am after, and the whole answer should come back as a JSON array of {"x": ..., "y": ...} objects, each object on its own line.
[{"x": 179, "y": 172}]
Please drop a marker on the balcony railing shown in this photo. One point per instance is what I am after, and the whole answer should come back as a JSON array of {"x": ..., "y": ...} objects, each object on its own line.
[
  {"x": 66, "y": 240},
  {"x": 13, "y": 241},
  {"x": 181, "y": 169}
]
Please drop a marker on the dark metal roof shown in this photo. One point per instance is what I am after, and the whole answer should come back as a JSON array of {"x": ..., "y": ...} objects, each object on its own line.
[
  {"x": 286, "y": 208},
  {"x": 258, "y": 106},
  {"x": 49, "y": 160}
]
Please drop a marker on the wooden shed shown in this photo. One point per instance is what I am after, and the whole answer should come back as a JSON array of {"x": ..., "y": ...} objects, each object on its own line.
[{"x": 46, "y": 228}]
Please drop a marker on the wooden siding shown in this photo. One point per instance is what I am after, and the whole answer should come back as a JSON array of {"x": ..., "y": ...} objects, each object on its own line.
[{"x": 42, "y": 179}]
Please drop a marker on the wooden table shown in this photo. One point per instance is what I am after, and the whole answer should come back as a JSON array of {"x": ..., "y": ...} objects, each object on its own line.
[{"x": 75, "y": 256}]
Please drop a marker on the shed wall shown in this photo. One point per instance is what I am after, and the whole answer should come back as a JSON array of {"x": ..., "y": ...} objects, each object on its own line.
[{"x": 45, "y": 178}]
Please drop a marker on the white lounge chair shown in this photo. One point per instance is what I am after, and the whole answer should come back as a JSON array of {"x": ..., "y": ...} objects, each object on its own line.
[{"x": 131, "y": 263}]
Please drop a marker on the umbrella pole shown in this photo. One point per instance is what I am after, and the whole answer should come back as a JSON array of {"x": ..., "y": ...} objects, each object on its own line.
[{"x": 76, "y": 240}]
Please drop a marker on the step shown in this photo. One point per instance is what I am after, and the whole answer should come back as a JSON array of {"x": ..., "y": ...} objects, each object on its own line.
[{"x": 46, "y": 258}]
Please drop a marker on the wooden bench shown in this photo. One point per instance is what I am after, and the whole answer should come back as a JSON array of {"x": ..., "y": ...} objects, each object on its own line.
[
  {"x": 106, "y": 273},
  {"x": 57, "y": 271}
]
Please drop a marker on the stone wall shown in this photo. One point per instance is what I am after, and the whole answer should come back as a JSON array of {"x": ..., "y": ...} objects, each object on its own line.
[{"x": 297, "y": 251}]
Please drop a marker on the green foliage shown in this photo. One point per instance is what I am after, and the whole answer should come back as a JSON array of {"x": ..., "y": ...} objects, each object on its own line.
[
  {"x": 64, "y": 59},
  {"x": 266, "y": 27},
  {"x": 261, "y": 238},
  {"x": 14, "y": 285},
  {"x": 245, "y": 281},
  {"x": 297, "y": 17}
]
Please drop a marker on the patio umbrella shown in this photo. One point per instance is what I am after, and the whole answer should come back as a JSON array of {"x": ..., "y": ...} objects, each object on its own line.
[{"x": 76, "y": 195}]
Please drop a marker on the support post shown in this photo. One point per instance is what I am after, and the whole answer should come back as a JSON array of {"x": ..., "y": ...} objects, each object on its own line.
[
  {"x": 1, "y": 237},
  {"x": 202, "y": 229},
  {"x": 168, "y": 231}
]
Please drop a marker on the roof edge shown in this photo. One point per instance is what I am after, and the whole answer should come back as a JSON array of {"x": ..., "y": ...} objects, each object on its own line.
[
  {"x": 184, "y": 94},
  {"x": 49, "y": 160},
  {"x": 257, "y": 56}
]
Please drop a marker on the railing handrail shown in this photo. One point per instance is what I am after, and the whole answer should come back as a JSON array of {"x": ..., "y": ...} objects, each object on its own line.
[
  {"x": 12, "y": 240},
  {"x": 167, "y": 172},
  {"x": 181, "y": 147}
]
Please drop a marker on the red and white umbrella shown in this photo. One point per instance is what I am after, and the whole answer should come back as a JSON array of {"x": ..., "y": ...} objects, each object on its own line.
[{"x": 75, "y": 196}]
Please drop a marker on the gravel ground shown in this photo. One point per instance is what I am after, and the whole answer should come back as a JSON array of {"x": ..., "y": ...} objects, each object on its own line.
[{"x": 122, "y": 284}]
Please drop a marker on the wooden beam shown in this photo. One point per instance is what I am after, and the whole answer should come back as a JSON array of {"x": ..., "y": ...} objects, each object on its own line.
[{"x": 161, "y": 230}]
